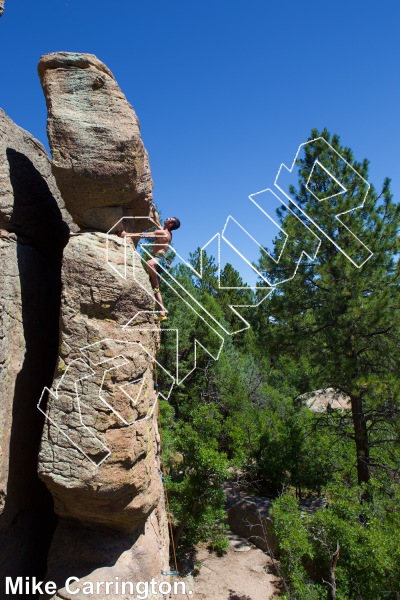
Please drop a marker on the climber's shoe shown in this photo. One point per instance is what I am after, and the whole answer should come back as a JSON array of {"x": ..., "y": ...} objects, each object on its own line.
[
  {"x": 161, "y": 318},
  {"x": 156, "y": 290}
]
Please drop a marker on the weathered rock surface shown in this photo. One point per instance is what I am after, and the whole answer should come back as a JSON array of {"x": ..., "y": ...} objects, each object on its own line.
[
  {"x": 30, "y": 202},
  {"x": 110, "y": 507},
  {"x": 93, "y": 507},
  {"x": 324, "y": 400},
  {"x": 105, "y": 555},
  {"x": 32, "y": 235},
  {"x": 28, "y": 349},
  {"x": 99, "y": 160}
]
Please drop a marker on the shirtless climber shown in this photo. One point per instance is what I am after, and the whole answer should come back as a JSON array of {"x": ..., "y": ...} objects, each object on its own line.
[{"x": 163, "y": 238}]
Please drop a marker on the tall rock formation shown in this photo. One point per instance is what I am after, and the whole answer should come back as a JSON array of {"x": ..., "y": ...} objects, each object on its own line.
[
  {"x": 99, "y": 457},
  {"x": 34, "y": 228},
  {"x": 80, "y": 487},
  {"x": 99, "y": 160}
]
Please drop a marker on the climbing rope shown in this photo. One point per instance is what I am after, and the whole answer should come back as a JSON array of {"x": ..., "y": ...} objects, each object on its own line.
[{"x": 174, "y": 573}]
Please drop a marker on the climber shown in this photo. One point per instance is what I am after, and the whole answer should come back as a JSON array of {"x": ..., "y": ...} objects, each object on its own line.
[{"x": 163, "y": 238}]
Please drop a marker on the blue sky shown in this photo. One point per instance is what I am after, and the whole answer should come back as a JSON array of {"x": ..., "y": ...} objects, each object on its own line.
[{"x": 225, "y": 90}]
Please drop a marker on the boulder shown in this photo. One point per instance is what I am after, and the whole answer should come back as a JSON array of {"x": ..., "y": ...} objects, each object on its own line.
[
  {"x": 99, "y": 160},
  {"x": 325, "y": 400},
  {"x": 249, "y": 516}
]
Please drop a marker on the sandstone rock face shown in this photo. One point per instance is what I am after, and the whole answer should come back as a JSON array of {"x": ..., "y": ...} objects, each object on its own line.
[
  {"x": 99, "y": 453},
  {"x": 99, "y": 160},
  {"x": 34, "y": 229},
  {"x": 92, "y": 505}
]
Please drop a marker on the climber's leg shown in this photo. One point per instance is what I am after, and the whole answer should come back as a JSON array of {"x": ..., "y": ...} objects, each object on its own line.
[
  {"x": 153, "y": 274},
  {"x": 152, "y": 265},
  {"x": 163, "y": 312}
]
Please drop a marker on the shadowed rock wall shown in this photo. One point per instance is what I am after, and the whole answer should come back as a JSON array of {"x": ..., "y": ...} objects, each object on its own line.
[{"x": 33, "y": 231}]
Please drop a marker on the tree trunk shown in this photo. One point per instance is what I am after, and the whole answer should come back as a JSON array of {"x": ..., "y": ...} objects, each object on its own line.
[
  {"x": 332, "y": 574},
  {"x": 361, "y": 438}
]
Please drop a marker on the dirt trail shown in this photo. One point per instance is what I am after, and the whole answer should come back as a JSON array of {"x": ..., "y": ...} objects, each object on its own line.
[{"x": 244, "y": 573}]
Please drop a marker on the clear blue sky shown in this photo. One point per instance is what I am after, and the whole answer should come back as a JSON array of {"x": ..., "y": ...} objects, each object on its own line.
[{"x": 225, "y": 90}]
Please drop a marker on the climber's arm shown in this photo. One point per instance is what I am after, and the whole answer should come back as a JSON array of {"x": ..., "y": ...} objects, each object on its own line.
[{"x": 149, "y": 234}]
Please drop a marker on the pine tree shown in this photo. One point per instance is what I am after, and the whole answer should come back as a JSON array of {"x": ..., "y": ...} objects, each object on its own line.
[{"x": 344, "y": 319}]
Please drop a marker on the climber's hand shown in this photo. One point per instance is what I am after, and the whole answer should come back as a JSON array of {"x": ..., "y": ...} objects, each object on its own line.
[{"x": 154, "y": 214}]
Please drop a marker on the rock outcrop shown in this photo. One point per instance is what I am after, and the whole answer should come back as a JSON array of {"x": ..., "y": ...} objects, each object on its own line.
[
  {"x": 104, "y": 471},
  {"x": 34, "y": 229},
  {"x": 122, "y": 490},
  {"x": 249, "y": 516},
  {"x": 1, "y": 7},
  {"x": 80, "y": 487},
  {"x": 30, "y": 202},
  {"x": 325, "y": 400},
  {"x": 99, "y": 160}
]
